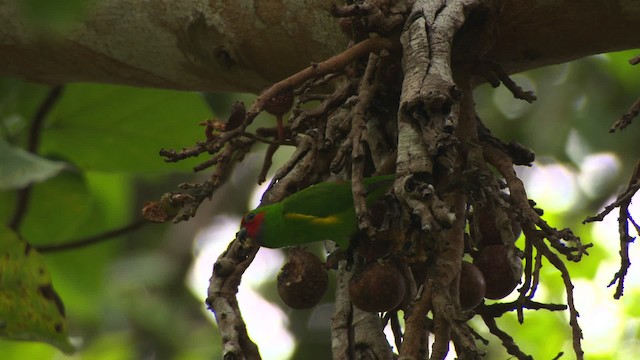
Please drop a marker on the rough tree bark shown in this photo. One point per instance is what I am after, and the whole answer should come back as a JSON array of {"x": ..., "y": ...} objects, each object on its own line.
[{"x": 224, "y": 45}]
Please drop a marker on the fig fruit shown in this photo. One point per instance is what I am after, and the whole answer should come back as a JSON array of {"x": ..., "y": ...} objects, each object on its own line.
[
  {"x": 500, "y": 275},
  {"x": 279, "y": 104},
  {"x": 489, "y": 232},
  {"x": 378, "y": 287},
  {"x": 472, "y": 286},
  {"x": 303, "y": 280}
]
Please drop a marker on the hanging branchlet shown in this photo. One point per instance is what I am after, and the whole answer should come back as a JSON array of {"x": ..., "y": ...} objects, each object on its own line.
[
  {"x": 358, "y": 135},
  {"x": 530, "y": 220},
  {"x": 622, "y": 202},
  {"x": 496, "y": 75},
  {"x": 626, "y": 118}
]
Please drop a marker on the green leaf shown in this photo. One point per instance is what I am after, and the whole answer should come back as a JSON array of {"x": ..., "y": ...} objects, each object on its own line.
[
  {"x": 30, "y": 309},
  {"x": 58, "y": 207},
  {"x": 117, "y": 128},
  {"x": 21, "y": 168}
]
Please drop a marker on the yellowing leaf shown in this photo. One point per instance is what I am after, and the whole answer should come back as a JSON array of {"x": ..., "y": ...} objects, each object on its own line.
[{"x": 30, "y": 309}]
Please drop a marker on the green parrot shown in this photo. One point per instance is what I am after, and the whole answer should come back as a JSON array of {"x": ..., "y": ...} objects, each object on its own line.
[{"x": 323, "y": 211}]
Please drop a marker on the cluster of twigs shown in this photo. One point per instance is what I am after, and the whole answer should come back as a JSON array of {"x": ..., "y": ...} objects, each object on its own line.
[
  {"x": 624, "y": 218},
  {"x": 418, "y": 121},
  {"x": 622, "y": 202}
]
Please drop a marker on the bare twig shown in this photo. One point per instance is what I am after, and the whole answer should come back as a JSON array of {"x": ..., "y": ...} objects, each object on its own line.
[
  {"x": 498, "y": 309},
  {"x": 528, "y": 249},
  {"x": 530, "y": 218},
  {"x": 414, "y": 345},
  {"x": 622, "y": 202},
  {"x": 92, "y": 240},
  {"x": 573, "y": 312},
  {"x": 366, "y": 92},
  {"x": 396, "y": 329},
  {"x": 331, "y": 65},
  {"x": 268, "y": 161},
  {"x": 516, "y": 90},
  {"x": 625, "y": 263},
  {"x": 626, "y": 118},
  {"x": 336, "y": 99},
  {"x": 507, "y": 340}
]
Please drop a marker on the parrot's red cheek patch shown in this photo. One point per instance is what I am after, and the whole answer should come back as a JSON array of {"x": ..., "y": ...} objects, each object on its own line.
[{"x": 253, "y": 224}]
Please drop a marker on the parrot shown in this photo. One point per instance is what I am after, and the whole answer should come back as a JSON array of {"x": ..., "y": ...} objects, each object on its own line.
[{"x": 324, "y": 211}]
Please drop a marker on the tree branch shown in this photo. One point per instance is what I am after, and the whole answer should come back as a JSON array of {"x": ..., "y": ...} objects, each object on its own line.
[
  {"x": 191, "y": 45},
  {"x": 92, "y": 240}
]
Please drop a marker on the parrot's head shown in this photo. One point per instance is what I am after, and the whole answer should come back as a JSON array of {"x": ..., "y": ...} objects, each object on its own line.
[{"x": 253, "y": 224}]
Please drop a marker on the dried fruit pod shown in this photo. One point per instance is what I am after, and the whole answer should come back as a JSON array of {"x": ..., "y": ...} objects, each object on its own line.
[
  {"x": 378, "y": 287},
  {"x": 164, "y": 210},
  {"x": 501, "y": 276},
  {"x": 238, "y": 113},
  {"x": 303, "y": 280},
  {"x": 280, "y": 104},
  {"x": 472, "y": 286}
]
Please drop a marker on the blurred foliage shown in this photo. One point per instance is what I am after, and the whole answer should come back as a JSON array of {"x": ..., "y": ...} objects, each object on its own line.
[
  {"x": 126, "y": 298},
  {"x": 30, "y": 308},
  {"x": 127, "y": 294},
  {"x": 21, "y": 168}
]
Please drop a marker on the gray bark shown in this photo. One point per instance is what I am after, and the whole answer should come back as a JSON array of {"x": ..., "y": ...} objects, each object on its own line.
[{"x": 223, "y": 45}]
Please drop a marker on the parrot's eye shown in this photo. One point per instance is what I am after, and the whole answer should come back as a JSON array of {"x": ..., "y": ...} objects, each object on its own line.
[{"x": 249, "y": 217}]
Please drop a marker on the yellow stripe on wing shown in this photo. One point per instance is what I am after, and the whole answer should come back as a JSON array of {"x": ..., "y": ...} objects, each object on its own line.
[{"x": 329, "y": 220}]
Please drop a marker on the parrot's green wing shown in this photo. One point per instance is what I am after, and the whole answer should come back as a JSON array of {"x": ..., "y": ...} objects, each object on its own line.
[
  {"x": 326, "y": 211},
  {"x": 320, "y": 200},
  {"x": 330, "y": 198},
  {"x": 319, "y": 212}
]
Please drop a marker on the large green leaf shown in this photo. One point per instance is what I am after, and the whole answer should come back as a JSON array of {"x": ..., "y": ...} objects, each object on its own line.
[
  {"x": 57, "y": 208},
  {"x": 80, "y": 273},
  {"x": 30, "y": 309},
  {"x": 20, "y": 168},
  {"x": 117, "y": 128}
]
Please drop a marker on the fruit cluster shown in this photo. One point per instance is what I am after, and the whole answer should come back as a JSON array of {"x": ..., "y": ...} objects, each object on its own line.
[{"x": 380, "y": 286}]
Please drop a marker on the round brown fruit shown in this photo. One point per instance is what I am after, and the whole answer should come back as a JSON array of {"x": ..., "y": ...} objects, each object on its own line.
[
  {"x": 279, "y": 104},
  {"x": 489, "y": 233},
  {"x": 499, "y": 276},
  {"x": 303, "y": 280},
  {"x": 378, "y": 287},
  {"x": 472, "y": 286}
]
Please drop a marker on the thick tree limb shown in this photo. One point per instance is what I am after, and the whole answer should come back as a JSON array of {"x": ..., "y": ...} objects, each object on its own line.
[{"x": 227, "y": 45}]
